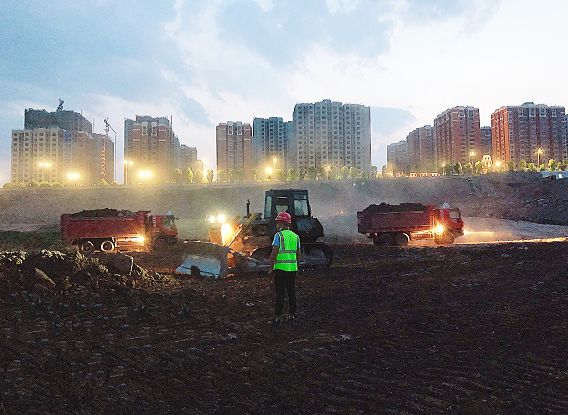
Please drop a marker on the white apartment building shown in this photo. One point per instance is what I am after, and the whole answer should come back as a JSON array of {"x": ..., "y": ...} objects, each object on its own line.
[{"x": 330, "y": 133}]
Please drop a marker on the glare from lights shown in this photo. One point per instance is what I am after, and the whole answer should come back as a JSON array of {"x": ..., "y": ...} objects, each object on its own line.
[
  {"x": 439, "y": 229},
  {"x": 226, "y": 233}
]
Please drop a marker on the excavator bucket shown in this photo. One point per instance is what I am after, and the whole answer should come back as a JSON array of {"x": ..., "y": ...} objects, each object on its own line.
[{"x": 204, "y": 259}]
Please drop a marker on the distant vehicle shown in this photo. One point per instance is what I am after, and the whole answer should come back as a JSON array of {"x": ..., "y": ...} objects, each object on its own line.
[
  {"x": 397, "y": 224},
  {"x": 109, "y": 229}
]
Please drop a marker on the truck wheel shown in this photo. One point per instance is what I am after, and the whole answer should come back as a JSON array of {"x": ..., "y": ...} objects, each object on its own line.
[
  {"x": 160, "y": 244},
  {"x": 385, "y": 239},
  {"x": 107, "y": 246},
  {"x": 446, "y": 238},
  {"x": 401, "y": 239},
  {"x": 87, "y": 248}
]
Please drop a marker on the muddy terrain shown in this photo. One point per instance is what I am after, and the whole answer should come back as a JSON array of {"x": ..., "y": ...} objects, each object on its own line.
[
  {"x": 467, "y": 329},
  {"x": 480, "y": 327}
]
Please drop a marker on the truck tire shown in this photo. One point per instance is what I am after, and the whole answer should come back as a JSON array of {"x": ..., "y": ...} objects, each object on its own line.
[
  {"x": 384, "y": 239},
  {"x": 87, "y": 248},
  {"x": 160, "y": 244},
  {"x": 107, "y": 246},
  {"x": 446, "y": 238},
  {"x": 401, "y": 239}
]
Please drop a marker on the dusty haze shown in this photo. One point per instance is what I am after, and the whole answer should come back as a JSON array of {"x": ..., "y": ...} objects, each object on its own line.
[{"x": 495, "y": 207}]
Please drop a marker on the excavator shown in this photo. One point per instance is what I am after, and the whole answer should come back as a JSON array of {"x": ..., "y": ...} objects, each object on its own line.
[{"x": 244, "y": 244}]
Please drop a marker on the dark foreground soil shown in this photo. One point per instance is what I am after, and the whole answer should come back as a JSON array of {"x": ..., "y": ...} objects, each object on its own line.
[{"x": 476, "y": 329}]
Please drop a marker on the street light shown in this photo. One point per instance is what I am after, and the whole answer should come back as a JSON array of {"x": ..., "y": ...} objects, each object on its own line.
[
  {"x": 274, "y": 160},
  {"x": 538, "y": 153},
  {"x": 471, "y": 157},
  {"x": 269, "y": 172},
  {"x": 74, "y": 177},
  {"x": 126, "y": 164},
  {"x": 42, "y": 165},
  {"x": 145, "y": 175}
]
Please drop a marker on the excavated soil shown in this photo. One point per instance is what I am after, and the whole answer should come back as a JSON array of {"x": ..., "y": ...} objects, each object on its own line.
[{"x": 468, "y": 329}]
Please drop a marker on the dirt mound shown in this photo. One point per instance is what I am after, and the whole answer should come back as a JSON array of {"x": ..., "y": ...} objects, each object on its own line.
[
  {"x": 403, "y": 207},
  {"x": 57, "y": 273}
]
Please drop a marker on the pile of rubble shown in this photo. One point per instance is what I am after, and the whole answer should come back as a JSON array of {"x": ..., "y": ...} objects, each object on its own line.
[{"x": 57, "y": 273}]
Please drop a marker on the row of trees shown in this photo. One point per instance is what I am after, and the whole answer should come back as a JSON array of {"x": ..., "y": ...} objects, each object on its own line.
[
  {"x": 314, "y": 173},
  {"x": 523, "y": 166},
  {"x": 240, "y": 176}
]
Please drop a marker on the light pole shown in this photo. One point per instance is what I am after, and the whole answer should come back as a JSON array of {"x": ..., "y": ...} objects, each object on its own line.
[
  {"x": 538, "y": 153},
  {"x": 269, "y": 172},
  {"x": 126, "y": 164},
  {"x": 274, "y": 160},
  {"x": 471, "y": 158},
  {"x": 42, "y": 165}
]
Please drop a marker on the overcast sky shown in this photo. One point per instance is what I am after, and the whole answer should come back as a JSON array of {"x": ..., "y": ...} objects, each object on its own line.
[{"x": 209, "y": 61}]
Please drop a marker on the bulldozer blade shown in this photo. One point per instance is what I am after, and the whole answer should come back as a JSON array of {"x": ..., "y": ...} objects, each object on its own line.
[
  {"x": 204, "y": 259},
  {"x": 245, "y": 264}
]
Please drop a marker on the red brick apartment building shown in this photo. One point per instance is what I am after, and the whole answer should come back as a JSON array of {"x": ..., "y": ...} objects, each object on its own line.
[
  {"x": 150, "y": 144},
  {"x": 534, "y": 133},
  {"x": 457, "y": 136},
  {"x": 234, "y": 147}
]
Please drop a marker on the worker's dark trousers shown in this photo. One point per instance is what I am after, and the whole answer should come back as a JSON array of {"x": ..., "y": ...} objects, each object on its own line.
[{"x": 285, "y": 281}]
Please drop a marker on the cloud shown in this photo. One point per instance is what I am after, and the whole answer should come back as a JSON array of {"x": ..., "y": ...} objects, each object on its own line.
[{"x": 211, "y": 61}]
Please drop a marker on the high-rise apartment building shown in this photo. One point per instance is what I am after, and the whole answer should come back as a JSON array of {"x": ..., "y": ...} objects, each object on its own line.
[
  {"x": 421, "y": 148},
  {"x": 271, "y": 140},
  {"x": 329, "y": 133},
  {"x": 189, "y": 159},
  {"x": 486, "y": 141},
  {"x": 64, "y": 119},
  {"x": 234, "y": 148},
  {"x": 529, "y": 132},
  {"x": 152, "y": 147},
  {"x": 47, "y": 151},
  {"x": 397, "y": 156},
  {"x": 32, "y": 147},
  {"x": 457, "y": 136}
]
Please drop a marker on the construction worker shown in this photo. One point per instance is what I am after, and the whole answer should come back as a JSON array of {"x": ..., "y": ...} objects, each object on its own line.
[{"x": 284, "y": 265}]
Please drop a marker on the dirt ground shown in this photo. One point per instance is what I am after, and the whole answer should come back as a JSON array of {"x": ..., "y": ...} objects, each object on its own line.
[
  {"x": 475, "y": 328},
  {"x": 466, "y": 329}
]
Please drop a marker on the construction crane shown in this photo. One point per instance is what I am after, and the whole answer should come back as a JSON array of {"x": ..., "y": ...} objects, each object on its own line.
[{"x": 107, "y": 128}]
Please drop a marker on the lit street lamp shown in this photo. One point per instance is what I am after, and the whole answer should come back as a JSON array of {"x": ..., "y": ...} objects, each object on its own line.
[
  {"x": 126, "y": 164},
  {"x": 269, "y": 172},
  {"x": 42, "y": 165},
  {"x": 538, "y": 153},
  {"x": 471, "y": 157},
  {"x": 274, "y": 160},
  {"x": 74, "y": 177},
  {"x": 145, "y": 175}
]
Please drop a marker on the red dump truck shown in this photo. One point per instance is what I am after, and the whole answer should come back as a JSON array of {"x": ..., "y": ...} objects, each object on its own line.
[
  {"x": 109, "y": 229},
  {"x": 397, "y": 224}
]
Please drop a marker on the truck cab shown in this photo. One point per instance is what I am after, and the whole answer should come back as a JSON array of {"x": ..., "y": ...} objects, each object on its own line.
[{"x": 163, "y": 230}]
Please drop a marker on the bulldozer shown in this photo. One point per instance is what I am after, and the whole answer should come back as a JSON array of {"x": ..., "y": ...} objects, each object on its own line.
[{"x": 244, "y": 244}]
